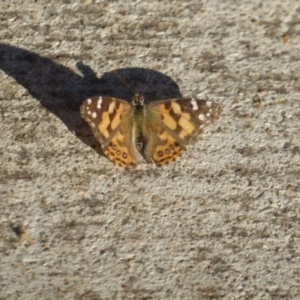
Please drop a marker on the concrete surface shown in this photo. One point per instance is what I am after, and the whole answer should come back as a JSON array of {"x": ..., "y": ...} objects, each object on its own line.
[{"x": 220, "y": 223}]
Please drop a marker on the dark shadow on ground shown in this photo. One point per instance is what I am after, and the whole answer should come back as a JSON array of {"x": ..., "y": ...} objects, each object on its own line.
[{"x": 61, "y": 91}]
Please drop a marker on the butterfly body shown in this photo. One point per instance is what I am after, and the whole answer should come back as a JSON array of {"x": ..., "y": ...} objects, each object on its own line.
[
  {"x": 158, "y": 130},
  {"x": 138, "y": 116}
]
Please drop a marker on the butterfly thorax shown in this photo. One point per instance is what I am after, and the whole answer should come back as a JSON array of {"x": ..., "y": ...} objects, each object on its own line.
[{"x": 138, "y": 99}]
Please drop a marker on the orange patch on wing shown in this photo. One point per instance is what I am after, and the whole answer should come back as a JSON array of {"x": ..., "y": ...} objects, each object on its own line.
[
  {"x": 169, "y": 121},
  {"x": 104, "y": 123},
  {"x": 162, "y": 109},
  {"x": 111, "y": 107},
  {"x": 176, "y": 108},
  {"x": 116, "y": 121},
  {"x": 187, "y": 127}
]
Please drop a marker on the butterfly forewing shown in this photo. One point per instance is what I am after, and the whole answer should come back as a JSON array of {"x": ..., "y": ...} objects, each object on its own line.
[{"x": 112, "y": 122}]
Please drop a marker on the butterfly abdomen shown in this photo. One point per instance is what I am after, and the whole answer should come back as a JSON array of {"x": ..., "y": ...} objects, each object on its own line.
[{"x": 139, "y": 137}]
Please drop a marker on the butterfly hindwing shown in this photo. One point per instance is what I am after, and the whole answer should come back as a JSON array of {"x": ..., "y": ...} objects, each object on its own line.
[
  {"x": 112, "y": 123},
  {"x": 161, "y": 147},
  {"x": 172, "y": 123}
]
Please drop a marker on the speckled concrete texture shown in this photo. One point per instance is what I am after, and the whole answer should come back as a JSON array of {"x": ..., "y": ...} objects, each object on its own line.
[{"x": 222, "y": 222}]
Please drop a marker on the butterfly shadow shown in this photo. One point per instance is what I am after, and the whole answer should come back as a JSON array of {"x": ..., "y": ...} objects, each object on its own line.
[{"x": 61, "y": 91}]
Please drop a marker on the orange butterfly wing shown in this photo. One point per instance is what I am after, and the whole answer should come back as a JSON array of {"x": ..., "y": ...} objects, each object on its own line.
[
  {"x": 111, "y": 120},
  {"x": 170, "y": 125}
]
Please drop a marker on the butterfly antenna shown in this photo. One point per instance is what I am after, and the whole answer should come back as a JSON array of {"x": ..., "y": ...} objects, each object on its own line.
[
  {"x": 124, "y": 82},
  {"x": 150, "y": 82}
]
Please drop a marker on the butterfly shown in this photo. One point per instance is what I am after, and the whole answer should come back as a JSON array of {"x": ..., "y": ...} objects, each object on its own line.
[{"x": 159, "y": 130}]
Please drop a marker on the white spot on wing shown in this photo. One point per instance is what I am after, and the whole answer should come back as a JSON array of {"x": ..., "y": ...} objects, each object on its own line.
[
  {"x": 99, "y": 102},
  {"x": 94, "y": 115},
  {"x": 209, "y": 103},
  {"x": 89, "y": 101},
  {"x": 201, "y": 117},
  {"x": 194, "y": 104}
]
